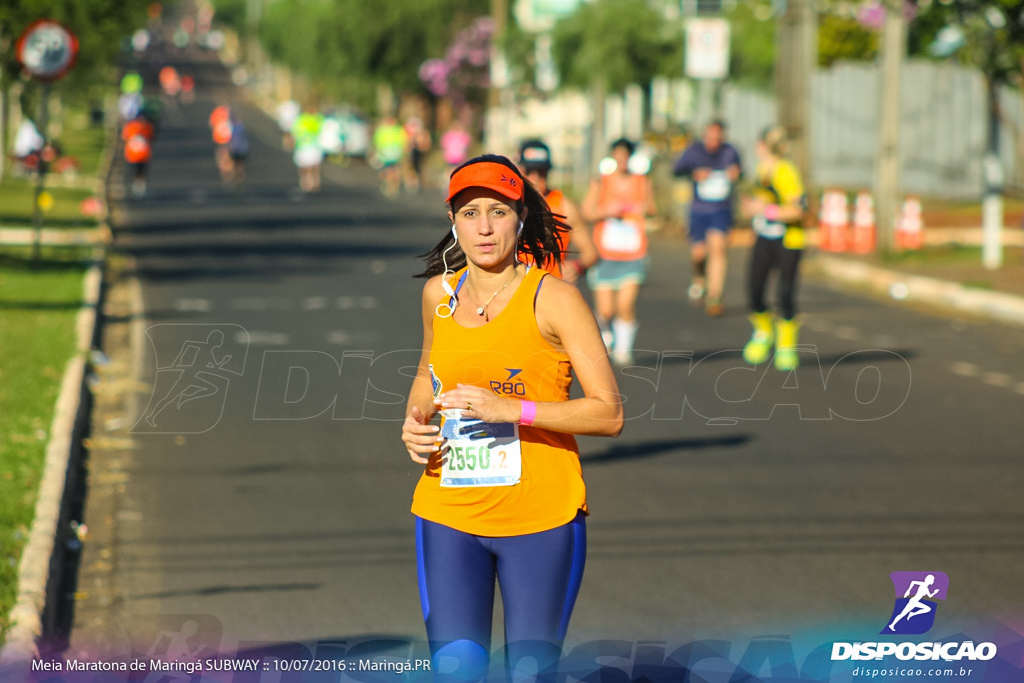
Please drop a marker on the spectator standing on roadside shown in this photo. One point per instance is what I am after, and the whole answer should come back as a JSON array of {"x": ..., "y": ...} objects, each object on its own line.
[{"x": 713, "y": 165}]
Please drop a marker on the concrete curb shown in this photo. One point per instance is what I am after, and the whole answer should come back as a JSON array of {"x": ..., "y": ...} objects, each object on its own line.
[
  {"x": 898, "y": 286},
  {"x": 36, "y": 560},
  {"x": 40, "y": 554}
]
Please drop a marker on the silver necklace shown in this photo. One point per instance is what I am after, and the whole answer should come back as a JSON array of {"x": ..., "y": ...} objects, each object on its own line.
[{"x": 482, "y": 310}]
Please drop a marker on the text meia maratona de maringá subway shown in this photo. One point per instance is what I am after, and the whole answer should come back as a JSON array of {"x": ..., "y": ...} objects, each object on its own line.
[{"x": 189, "y": 667}]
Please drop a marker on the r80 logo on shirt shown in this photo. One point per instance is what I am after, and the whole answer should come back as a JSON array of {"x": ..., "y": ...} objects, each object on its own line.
[{"x": 508, "y": 387}]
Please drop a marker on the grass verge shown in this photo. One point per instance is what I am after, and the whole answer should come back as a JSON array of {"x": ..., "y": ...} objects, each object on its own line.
[{"x": 38, "y": 307}]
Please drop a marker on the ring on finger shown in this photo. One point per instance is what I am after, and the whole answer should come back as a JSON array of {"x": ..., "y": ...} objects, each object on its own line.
[{"x": 469, "y": 406}]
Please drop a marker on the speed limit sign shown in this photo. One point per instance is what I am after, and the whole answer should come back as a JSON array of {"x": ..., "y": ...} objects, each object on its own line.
[{"x": 47, "y": 49}]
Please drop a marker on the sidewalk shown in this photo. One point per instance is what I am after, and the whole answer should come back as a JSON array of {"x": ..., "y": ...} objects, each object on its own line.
[{"x": 947, "y": 275}]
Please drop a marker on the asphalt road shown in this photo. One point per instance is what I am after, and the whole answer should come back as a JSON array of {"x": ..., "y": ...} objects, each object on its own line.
[{"x": 272, "y": 504}]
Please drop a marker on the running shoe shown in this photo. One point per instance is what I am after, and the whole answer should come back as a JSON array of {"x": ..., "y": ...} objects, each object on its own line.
[{"x": 696, "y": 292}]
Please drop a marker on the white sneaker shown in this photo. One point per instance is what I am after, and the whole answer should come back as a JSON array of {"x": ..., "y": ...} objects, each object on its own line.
[
  {"x": 695, "y": 292},
  {"x": 622, "y": 358}
]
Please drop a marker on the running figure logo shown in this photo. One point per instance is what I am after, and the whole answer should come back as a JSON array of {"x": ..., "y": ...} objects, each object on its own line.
[
  {"x": 189, "y": 393},
  {"x": 914, "y": 611}
]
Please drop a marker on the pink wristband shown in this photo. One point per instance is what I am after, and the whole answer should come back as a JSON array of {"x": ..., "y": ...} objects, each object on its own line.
[
  {"x": 529, "y": 413},
  {"x": 771, "y": 212}
]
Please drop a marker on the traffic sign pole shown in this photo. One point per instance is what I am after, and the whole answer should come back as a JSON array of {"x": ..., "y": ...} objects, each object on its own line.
[
  {"x": 37, "y": 211},
  {"x": 47, "y": 51}
]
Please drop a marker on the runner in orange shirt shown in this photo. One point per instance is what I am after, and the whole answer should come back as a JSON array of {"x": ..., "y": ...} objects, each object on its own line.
[
  {"x": 535, "y": 161},
  {"x": 618, "y": 203},
  {"x": 137, "y": 136},
  {"x": 501, "y": 497},
  {"x": 220, "y": 131}
]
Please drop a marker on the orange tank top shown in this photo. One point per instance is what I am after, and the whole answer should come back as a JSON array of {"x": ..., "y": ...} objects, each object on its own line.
[
  {"x": 622, "y": 239},
  {"x": 509, "y": 356}
]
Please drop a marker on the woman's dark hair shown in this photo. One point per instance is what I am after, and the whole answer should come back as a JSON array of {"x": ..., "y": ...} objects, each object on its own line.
[
  {"x": 539, "y": 238},
  {"x": 624, "y": 142}
]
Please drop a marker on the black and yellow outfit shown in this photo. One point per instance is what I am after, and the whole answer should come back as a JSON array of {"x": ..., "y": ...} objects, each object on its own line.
[{"x": 779, "y": 246}]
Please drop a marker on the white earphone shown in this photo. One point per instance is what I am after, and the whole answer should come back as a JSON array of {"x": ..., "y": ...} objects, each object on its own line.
[{"x": 445, "y": 310}]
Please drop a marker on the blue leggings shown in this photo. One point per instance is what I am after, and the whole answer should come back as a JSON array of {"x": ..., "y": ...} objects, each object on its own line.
[{"x": 539, "y": 576}]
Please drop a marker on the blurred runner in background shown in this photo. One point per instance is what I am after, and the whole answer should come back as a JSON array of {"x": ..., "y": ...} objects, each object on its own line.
[
  {"x": 389, "y": 144},
  {"x": 418, "y": 140},
  {"x": 137, "y": 136},
  {"x": 713, "y": 166},
  {"x": 777, "y": 208},
  {"x": 220, "y": 131},
  {"x": 287, "y": 114},
  {"x": 308, "y": 155},
  {"x": 455, "y": 144},
  {"x": 618, "y": 203},
  {"x": 238, "y": 151},
  {"x": 535, "y": 161}
]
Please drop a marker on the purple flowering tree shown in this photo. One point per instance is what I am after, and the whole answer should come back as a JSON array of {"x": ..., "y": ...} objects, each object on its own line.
[{"x": 463, "y": 74}]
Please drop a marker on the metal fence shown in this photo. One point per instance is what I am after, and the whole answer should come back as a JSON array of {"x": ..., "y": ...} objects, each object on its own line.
[{"x": 943, "y": 124}]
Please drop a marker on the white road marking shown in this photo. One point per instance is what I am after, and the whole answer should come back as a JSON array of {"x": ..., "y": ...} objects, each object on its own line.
[
  {"x": 848, "y": 333},
  {"x": 997, "y": 379},
  {"x": 338, "y": 337},
  {"x": 249, "y": 303},
  {"x": 263, "y": 338},
  {"x": 193, "y": 305},
  {"x": 964, "y": 369},
  {"x": 315, "y": 303}
]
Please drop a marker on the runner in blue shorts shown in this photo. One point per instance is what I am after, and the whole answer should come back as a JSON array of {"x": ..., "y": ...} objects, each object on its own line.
[{"x": 713, "y": 165}]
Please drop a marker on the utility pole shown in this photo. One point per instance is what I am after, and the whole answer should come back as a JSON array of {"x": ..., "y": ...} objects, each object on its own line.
[
  {"x": 992, "y": 204},
  {"x": 496, "y": 123},
  {"x": 796, "y": 55},
  {"x": 887, "y": 165}
]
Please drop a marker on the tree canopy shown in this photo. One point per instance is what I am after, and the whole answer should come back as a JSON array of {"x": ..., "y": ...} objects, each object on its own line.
[
  {"x": 624, "y": 41},
  {"x": 347, "y": 47}
]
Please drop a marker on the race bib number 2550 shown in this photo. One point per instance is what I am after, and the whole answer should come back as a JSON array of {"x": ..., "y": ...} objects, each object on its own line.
[{"x": 480, "y": 453}]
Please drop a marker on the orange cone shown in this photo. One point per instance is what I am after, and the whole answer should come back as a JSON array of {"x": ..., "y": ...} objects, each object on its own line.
[
  {"x": 834, "y": 221},
  {"x": 864, "y": 223},
  {"x": 909, "y": 226}
]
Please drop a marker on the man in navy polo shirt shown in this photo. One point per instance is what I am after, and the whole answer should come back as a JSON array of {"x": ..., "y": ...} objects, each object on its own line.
[{"x": 713, "y": 166}]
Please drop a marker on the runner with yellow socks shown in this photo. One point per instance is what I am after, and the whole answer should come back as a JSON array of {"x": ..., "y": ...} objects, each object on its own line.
[{"x": 777, "y": 209}]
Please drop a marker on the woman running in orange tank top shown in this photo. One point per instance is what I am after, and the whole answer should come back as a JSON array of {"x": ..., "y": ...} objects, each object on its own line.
[
  {"x": 618, "y": 204},
  {"x": 501, "y": 497}
]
